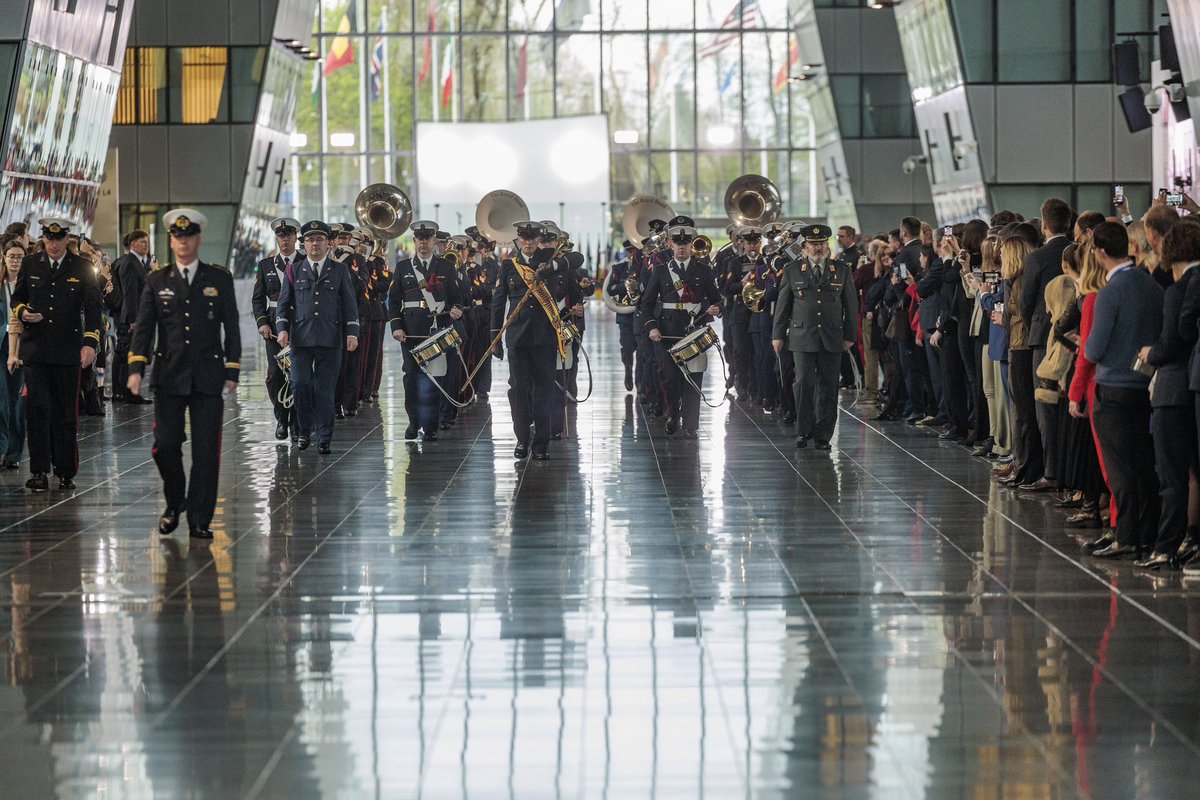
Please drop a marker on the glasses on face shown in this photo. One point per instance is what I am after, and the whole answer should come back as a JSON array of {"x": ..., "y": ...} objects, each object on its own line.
[{"x": 15, "y": 255}]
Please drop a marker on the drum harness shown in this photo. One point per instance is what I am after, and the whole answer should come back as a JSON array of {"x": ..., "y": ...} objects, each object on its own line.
[
  {"x": 678, "y": 282},
  {"x": 430, "y": 304}
]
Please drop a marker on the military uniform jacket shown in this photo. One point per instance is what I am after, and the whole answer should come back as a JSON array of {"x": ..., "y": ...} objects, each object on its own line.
[
  {"x": 532, "y": 328},
  {"x": 481, "y": 282},
  {"x": 189, "y": 355},
  {"x": 671, "y": 309},
  {"x": 70, "y": 305},
  {"x": 767, "y": 278},
  {"x": 268, "y": 283},
  {"x": 816, "y": 314},
  {"x": 318, "y": 312},
  {"x": 410, "y": 304},
  {"x": 379, "y": 280}
]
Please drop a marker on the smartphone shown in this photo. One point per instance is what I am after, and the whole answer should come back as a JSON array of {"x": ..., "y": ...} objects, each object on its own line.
[
  {"x": 999, "y": 307},
  {"x": 948, "y": 230},
  {"x": 903, "y": 271},
  {"x": 1175, "y": 199},
  {"x": 1118, "y": 195}
]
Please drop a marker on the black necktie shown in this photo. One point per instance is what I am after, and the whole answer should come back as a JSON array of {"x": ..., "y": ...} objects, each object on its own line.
[
  {"x": 185, "y": 276},
  {"x": 53, "y": 267}
]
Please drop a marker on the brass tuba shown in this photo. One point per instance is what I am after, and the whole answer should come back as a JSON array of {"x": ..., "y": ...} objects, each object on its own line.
[
  {"x": 753, "y": 200},
  {"x": 638, "y": 213},
  {"x": 629, "y": 304},
  {"x": 384, "y": 210},
  {"x": 497, "y": 211}
]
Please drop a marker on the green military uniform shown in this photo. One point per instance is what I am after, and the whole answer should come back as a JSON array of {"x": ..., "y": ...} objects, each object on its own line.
[{"x": 816, "y": 312}]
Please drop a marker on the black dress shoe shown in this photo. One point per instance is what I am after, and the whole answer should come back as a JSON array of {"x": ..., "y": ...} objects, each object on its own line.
[
  {"x": 1115, "y": 550},
  {"x": 65, "y": 484},
  {"x": 295, "y": 440},
  {"x": 801, "y": 442},
  {"x": 303, "y": 442},
  {"x": 1040, "y": 485},
  {"x": 351, "y": 412},
  {"x": 628, "y": 381},
  {"x": 200, "y": 533},
  {"x": 950, "y": 434},
  {"x": 884, "y": 417},
  {"x": 281, "y": 431},
  {"x": 823, "y": 445},
  {"x": 556, "y": 437},
  {"x": 38, "y": 483},
  {"x": 690, "y": 434},
  {"x": 1083, "y": 519},
  {"x": 1011, "y": 482},
  {"x": 323, "y": 448},
  {"x": 410, "y": 433},
  {"x": 446, "y": 426},
  {"x": 541, "y": 455},
  {"x": 431, "y": 436},
  {"x": 1158, "y": 561},
  {"x": 168, "y": 522},
  {"x": 340, "y": 413},
  {"x": 672, "y": 425},
  {"x": 1069, "y": 501},
  {"x": 1100, "y": 542},
  {"x": 521, "y": 452},
  {"x": 138, "y": 400},
  {"x": 789, "y": 418}
]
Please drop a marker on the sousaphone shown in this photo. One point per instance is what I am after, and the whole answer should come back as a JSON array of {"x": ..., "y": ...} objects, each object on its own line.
[
  {"x": 384, "y": 210},
  {"x": 638, "y": 213},
  {"x": 497, "y": 211},
  {"x": 753, "y": 200}
]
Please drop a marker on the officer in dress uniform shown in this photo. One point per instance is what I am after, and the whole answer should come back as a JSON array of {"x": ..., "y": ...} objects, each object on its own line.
[
  {"x": 620, "y": 272},
  {"x": 533, "y": 336},
  {"x": 680, "y": 294},
  {"x": 377, "y": 288},
  {"x": 55, "y": 290},
  {"x": 318, "y": 314},
  {"x": 425, "y": 297},
  {"x": 268, "y": 282},
  {"x": 190, "y": 306},
  {"x": 817, "y": 311}
]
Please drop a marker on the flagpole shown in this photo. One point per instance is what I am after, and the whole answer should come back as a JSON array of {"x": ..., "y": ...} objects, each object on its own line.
[
  {"x": 435, "y": 88},
  {"x": 384, "y": 68},
  {"x": 364, "y": 72}
]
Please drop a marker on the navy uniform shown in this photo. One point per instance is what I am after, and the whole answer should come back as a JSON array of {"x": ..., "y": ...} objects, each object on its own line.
[
  {"x": 651, "y": 255},
  {"x": 356, "y": 265},
  {"x": 423, "y": 292},
  {"x": 676, "y": 300},
  {"x": 318, "y": 310},
  {"x": 480, "y": 280},
  {"x": 379, "y": 280},
  {"x": 741, "y": 342},
  {"x": 64, "y": 293},
  {"x": 532, "y": 338},
  {"x": 268, "y": 283},
  {"x": 766, "y": 278},
  {"x": 189, "y": 307},
  {"x": 620, "y": 272},
  {"x": 816, "y": 313},
  {"x": 721, "y": 265},
  {"x": 129, "y": 274}
]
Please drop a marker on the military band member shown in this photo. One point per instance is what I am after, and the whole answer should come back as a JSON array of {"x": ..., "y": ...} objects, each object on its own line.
[
  {"x": 739, "y": 270},
  {"x": 817, "y": 313},
  {"x": 620, "y": 272},
  {"x": 680, "y": 294},
  {"x": 58, "y": 303},
  {"x": 344, "y": 252},
  {"x": 533, "y": 337},
  {"x": 190, "y": 306},
  {"x": 425, "y": 297},
  {"x": 318, "y": 314},
  {"x": 379, "y": 280},
  {"x": 130, "y": 271},
  {"x": 481, "y": 279},
  {"x": 765, "y": 279},
  {"x": 656, "y": 249},
  {"x": 268, "y": 282},
  {"x": 722, "y": 261}
]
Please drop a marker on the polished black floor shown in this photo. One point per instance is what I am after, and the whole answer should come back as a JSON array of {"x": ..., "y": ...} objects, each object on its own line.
[{"x": 640, "y": 617}]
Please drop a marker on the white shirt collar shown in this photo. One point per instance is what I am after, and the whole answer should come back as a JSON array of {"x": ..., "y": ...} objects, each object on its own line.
[
  {"x": 1056, "y": 236},
  {"x": 191, "y": 268},
  {"x": 683, "y": 264},
  {"x": 1123, "y": 265},
  {"x": 1189, "y": 266}
]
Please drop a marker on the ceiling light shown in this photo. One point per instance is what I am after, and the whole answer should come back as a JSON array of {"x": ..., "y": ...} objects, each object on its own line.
[
  {"x": 721, "y": 135},
  {"x": 625, "y": 137},
  {"x": 298, "y": 140},
  {"x": 341, "y": 140}
]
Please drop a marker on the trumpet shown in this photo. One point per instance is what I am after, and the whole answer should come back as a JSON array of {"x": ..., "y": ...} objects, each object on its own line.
[{"x": 701, "y": 246}]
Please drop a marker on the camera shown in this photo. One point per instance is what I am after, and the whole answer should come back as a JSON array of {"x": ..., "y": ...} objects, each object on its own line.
[
  {"x": 1118, "y": 195},
  {"x": 910, "y": 164}
]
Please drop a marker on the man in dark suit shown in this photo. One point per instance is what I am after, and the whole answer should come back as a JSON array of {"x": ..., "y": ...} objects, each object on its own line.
[
  {"x": 55, "y": 290},
  {"x": 130, "y": 271},
  {"x": 268, "y": 283},
  {"x": 425, "y": 297},
  {"x": 534, "y": 338},
  {"x": 321, "y": 332},
  {"x": 1042, "y": 266},
  {"x": 189, "y": 305}
]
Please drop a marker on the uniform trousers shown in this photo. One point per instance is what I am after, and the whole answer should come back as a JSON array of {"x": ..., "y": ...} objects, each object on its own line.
[
  {"x": 199, "y": 492},
  {"x": 422, "y": 400},
  {"x": 816, "y": 393},
  {"x": 314, "y": 382},
  {"x": 645, "y": 376},
  {"x": 275, "y": 383},
  {"x": 347, "y": 382},
  {"x": 627, "y": 338},
  {"x": 53, "y": 417},
  {"x": 1122, "y": 419},
  {"x": 743, "y": 351},
  {"x": 683, "y": 401},
  {"x": 786, "y": 378},
  {"x": 531, "y": 392},
  {"x": 765, "y": 375},
  {"x": 376, "y": 377}
]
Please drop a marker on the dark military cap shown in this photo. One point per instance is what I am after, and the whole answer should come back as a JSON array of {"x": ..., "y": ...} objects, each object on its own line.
[
  {"x": 750, "y": 233},
  {"x": 442, "y": 236},
  {"x": 628, "y": 245},
  {"x": 817, "y": 233},
  {"x": 55, "y": 227},
  {"x": 731, "y": 229},
  {"x": 184, "y": 221},
  {"x": 284, "y": 226},
  {"x": 682, "y": 234},
  {"x": 528, "y": 229},
  {"x": 315, "y": 227},
  {"x": 681, "y": 220},
  {"x": 657, "y": 225},
  {"x": 346, "y": 227},
  {"x": 423, "y": 229}
]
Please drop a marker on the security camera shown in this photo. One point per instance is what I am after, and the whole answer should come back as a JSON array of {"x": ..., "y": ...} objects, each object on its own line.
[
  {"x": 1153, "y": 101},
  {"x": 963, "y": 150},
  {"x": 1175, "y": 93},
  {"x": 912, "y": 162}
]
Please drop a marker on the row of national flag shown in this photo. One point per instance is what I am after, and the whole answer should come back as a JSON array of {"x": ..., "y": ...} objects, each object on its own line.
[{"x": 745, "y": 14}]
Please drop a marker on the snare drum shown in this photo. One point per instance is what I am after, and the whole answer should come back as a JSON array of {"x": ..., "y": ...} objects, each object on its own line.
[
  {"x": 284, "y": 359},
  {"x": 693, "y": 345},
  {"x": 437, "y": 344}
]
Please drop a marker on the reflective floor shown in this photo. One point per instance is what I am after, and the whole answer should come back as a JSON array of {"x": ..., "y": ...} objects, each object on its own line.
[{"x": 640, "y": 617}]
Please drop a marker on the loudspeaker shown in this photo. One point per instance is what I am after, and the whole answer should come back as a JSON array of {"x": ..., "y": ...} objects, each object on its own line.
[
  {"x": 1133, "y": 103},
  {"x": 1127, "y": 64},
  {"x": 1168, "y": 55}
]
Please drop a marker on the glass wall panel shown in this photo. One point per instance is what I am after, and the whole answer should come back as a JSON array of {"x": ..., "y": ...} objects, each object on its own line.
[
  {"x": 847, "y": 101},
  {"x": 625, "y": 77},
  {"x": 343, "y": 100},
  {"x": 672, "y": 92},
  {"x": 531, "y": 64},
  {"x": 484, "y": 82},
  {"x": 482, "y": 15},
  {"x": 672, "y": 16},
  {"x": 578, "y": 63},
  {"x": 673, "y": 178},
  {"x": 887, "y": 110},
  {"x": 616, "y": 15},
  {"x": 397, "y": 15},
  {"x": 973, "y": 23},
  {"x": 246, "y": 67},
  {"x": 715, "y": 172},
  {"x": 535, "y": 15},
  {"x": 765, "y": 74},
  {"x": 1036, "y": 40},
  {"x": 198, "y": 84}
]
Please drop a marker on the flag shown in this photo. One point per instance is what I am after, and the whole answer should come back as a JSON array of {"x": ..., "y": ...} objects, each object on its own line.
[
  {"x": 656, "y": 64},
  {"x": 522, "y": 69},
  {"x": 427, "y": 56},
  {"x": 727, "y": 80},
  {"x": 341, "y": 51},
  {"x": 785, "y": 72},
  {"x": 448, "y": 72},
  {"x": 744, "y": 15},
  {"x": 569, "y": 14},
  {"x": 316, "y": 85},
  {"x": 377, "y": 69}
]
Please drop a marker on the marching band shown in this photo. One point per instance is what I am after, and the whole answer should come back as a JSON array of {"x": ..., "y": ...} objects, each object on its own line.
[{"x": 322, "y": 302}]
